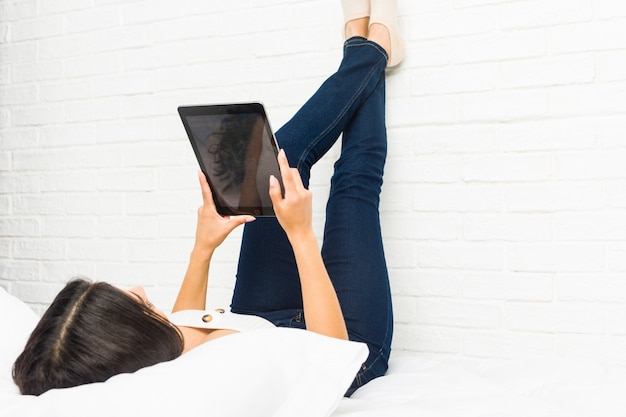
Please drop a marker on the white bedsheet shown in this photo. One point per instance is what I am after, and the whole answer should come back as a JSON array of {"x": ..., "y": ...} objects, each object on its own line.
[
  {"x": 414, "y": 386},
  {"x": 427, "y": 387}
]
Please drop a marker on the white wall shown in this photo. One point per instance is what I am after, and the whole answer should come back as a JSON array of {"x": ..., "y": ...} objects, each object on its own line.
[{"x": 504, "y": 203}]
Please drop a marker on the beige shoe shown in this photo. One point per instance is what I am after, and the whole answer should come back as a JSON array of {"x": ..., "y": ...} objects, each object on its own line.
[
  {"x": 354, "y": 9},
  {"x": 384, "y": 12}
]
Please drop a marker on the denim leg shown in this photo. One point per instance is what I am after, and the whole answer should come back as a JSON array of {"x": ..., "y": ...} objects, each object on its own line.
[
  {"x": 314, "y": 129},
  {"x": 267, "y": 276},
  {"x": 353, "y": 246}
]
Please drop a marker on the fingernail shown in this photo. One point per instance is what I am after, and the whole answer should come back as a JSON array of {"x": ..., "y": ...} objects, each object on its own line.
[{"x": 272, "y": 180}]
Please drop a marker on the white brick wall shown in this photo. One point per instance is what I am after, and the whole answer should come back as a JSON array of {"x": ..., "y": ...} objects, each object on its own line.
[{"x": 505, "y": 195}]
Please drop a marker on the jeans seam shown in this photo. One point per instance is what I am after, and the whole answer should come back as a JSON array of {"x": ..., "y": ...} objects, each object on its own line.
[
  {"x": 371, "y": 44},
  {"x": 331, "y": 125},
  {"x": 365, "y": 369}
]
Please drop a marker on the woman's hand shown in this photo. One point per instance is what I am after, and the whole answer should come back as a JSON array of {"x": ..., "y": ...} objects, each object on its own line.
[
  {"x": 294, "y": 211},
  {"x": 212, "y": 228},
  {"x": 211, "y": 231}
]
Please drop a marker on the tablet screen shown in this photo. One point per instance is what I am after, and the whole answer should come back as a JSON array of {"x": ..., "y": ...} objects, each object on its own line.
[{"x": 237, "y": 151}]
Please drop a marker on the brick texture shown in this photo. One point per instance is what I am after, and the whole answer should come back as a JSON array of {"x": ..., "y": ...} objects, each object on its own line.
[{"x": 504, "y": 203}]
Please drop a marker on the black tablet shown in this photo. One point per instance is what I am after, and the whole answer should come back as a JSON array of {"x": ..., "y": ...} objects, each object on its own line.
[{"x": 236, "y": 150}]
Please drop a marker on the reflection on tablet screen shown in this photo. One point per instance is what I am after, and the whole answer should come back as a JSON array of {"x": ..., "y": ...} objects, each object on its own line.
[{"x": 238, "y": 154}]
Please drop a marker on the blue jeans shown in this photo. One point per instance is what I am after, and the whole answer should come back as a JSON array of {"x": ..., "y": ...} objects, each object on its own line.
[{"x": 351, "y": 101}]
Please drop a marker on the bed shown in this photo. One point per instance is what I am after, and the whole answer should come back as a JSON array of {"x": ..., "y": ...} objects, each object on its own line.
[
  {"x": 430, "y": 387},
  {"x": 287, "y": 372}
]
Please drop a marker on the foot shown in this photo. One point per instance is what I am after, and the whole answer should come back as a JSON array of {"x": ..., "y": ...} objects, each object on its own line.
[
  {"x": 357, "y": 27},
  {"x": 355, "y": 10},
  {"x": 378, "y": 33},
  {"x": 383, "y": 13}
]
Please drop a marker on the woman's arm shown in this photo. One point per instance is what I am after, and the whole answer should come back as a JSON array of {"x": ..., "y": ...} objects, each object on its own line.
[
  {"x": 211, "y": 231},
  {"x": 294, "y": 212}
]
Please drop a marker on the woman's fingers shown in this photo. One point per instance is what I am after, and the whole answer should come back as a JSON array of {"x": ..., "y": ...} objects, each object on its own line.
[
  {"x": 240, "y": 219},
  {"x": 207, "y": 195},
  {"x": 297, "y": 179},
  {"x": 294, "y": 210},
  {"x": 285, "y": 171},
  {"x": 275, "y": 192},
  {"x": 291, "y": 176},
  {"x": 207, "y": 202}
]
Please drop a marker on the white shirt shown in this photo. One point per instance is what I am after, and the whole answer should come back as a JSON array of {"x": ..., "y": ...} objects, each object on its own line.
[{"x": 218, "y": 319}]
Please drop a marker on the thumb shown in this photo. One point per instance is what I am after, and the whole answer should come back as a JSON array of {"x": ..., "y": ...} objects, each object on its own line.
[{"x": 236, "y": 221}]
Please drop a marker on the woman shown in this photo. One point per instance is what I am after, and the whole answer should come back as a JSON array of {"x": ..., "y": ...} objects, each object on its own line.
[{"x": 94, "y": 331}]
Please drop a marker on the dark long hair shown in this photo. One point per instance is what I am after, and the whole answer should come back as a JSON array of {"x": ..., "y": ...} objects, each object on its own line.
[{"x": 90, "y": 332}]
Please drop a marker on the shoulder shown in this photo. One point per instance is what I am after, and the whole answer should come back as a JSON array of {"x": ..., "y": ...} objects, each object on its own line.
[
  {"x": 194, "y": 337},
  {"x": 201, "y": 326},
  {"x": 218, "y": 319}
]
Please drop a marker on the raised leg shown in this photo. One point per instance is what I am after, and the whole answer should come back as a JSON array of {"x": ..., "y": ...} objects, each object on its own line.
[
  {"x": 267, "y": 277},
  {"x": 353, "y": 247}
]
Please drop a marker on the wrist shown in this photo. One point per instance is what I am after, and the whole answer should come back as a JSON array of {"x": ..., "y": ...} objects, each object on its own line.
[
  {"x": 302, "y": 237},
  {"x": 201, "y": 254}
]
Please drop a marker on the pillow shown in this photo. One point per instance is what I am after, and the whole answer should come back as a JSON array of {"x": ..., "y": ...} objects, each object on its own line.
[
  {"x": 275, "y": 372},
  {"x": 17, "y": 321}
]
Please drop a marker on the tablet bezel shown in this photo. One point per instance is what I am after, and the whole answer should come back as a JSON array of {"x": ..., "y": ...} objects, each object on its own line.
[{"x": 228, "y": 109}]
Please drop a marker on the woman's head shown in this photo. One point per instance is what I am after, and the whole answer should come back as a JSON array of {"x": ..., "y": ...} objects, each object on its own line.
[{"x": 90, "y": 332}]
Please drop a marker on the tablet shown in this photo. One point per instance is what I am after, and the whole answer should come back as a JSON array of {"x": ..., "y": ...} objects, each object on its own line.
[{"x": 236, "y": 150}]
